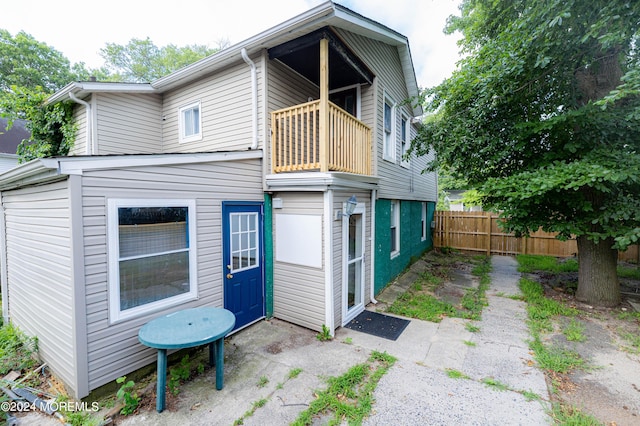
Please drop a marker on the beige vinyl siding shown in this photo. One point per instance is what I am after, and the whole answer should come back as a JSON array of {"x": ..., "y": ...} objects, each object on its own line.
[
  {"x": 299, "y": 291},
  {"x": 128, "y": 123},
  {"x": 80, "y": 119},
  {"x": 286, "y": 88},
  {"x": 226, "y": 108},
  {"x": 338, "y": 257},
  {"x": 113, "y": 349},
  {"x": 396, "y": 181},
  {"x": 39, "y": 271}
]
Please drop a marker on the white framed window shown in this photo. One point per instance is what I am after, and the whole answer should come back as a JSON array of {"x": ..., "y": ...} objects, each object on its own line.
[
  {"x": 190, "y": 122},
  {"x": 405, "y": 141},
  {"x": 389, "y": 134},
  {"x": 152, "y": 255},
  {"x": 395, "y": 228},
  {"x": 424, "y": 221}
]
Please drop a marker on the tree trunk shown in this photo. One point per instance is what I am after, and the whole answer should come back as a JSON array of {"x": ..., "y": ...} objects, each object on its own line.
[{"x": 598, "y": 283}]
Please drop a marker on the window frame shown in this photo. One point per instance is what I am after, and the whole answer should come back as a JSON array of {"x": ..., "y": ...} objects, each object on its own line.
[
  {"x": 113, "y": 243},
  {"x": 423, "y": 237},
  {"x": 395, "y": 224},
  {"x": 183, "y": 138},
  {"x": 389, "y": 135},
  {"x": 405, "y": 139}
]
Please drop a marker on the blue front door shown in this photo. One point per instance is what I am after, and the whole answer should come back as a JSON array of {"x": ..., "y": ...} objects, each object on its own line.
[{"x": 243, "y": 261}]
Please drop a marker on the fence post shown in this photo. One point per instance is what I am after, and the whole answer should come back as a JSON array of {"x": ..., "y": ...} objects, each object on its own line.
[{"x": 489, "y": 220}]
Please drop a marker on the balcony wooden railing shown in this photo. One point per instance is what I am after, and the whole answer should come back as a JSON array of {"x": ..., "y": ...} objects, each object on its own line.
[{"x": 296, "y": 144}]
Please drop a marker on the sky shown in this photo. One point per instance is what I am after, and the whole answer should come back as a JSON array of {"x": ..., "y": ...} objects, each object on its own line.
[{"x": 79, "y": 29}]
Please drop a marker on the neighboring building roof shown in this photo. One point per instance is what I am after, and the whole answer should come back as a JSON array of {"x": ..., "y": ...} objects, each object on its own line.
[
  {"x": 10, "y": 139},
  {"x": 326, "y": 14}
]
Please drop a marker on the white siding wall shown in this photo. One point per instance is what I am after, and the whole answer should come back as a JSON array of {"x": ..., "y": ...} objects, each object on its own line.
[
  {"x": 396, "y": 182},
  {"x": 128, "y": 123},
  {"x": 286, "y": 88},
  {"x": 299, "y": 291},
  {"x": 80, "y": 119},
  {"x": 8, "y": 161},
  {"x": 113, "y": 349},
  {"x": 227, "y": 114},
  {"x": 39, "y": 271},
  {"x": 338, "y": 257}
]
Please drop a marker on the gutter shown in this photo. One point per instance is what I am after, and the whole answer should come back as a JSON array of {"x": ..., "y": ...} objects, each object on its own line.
[
  {"x": 87, "y": 105},
  {"x": 254, "y": 97},
  {"x": 3, "y": 266}
]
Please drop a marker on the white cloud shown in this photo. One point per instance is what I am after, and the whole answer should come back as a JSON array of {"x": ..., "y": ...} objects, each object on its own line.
[{"x": 79, "y": 29}]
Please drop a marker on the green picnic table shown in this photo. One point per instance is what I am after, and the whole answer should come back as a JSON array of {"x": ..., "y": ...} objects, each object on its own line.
[{"x": 186, "y": 329}]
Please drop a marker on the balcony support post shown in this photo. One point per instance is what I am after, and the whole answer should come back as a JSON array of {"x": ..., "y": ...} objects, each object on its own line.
[{"x": 323, "y": 128}]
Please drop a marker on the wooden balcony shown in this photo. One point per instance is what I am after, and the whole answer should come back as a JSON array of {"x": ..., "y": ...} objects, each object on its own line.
[{"x": 298, "y": 144}]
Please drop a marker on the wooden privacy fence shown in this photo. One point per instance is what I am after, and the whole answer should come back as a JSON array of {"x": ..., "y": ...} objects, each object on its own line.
[{"x": 479, "y": 232}]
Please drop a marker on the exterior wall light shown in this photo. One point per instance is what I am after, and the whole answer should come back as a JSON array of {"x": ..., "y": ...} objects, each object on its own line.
[{"x": 350, "y": 206}]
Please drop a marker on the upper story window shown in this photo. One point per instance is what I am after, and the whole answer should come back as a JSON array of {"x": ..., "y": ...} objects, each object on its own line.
[
  {"x": 191, "y": 122},
  {"x": 389, "y": 130},
  {"x": 395, "y": 228},
  {"x": 152, "y": 255},
  {"x": 404, "y": 140}
]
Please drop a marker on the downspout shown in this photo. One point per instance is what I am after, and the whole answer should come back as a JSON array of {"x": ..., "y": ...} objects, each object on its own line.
[
  {"x": 254, "y": 96},
  {"x": 374, "y": 195},
  {"x": 87, "y": 105},
  {"x": 328, "y": 256},
  {"x": 3, "y": 265}
]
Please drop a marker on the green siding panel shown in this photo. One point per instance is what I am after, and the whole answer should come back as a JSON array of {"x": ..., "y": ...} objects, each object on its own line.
[
  {"x": 411, "y": 246},
  {"x": 268, "y": 255}
]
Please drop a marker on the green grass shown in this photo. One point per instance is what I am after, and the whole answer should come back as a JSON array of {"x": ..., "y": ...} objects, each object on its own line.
[
  {"x": 262, "y": 381},
  {"x": 634, "y": 342},
  {"x": 495, "y": 384},
  {"x": 542, "y": 312},
  {"x": 469, "y": 343},
  {"x": 574, "y": 331},
  {"x": 570, "y": 416},
  {"x": 455, "y": 374},
  {"x": 294, "y": 372},
  {"x": 348, "y": 399},
  {"x": 627, "y": 272},
  {"x": 416, "y": 304},
  {"x": 471, "y": 327},
  {"x": 421, "y": 306},
  {"x": 17, "y": 350},
  {"x": 531, "y": 396},
  {"x": 531, "y": 263}
]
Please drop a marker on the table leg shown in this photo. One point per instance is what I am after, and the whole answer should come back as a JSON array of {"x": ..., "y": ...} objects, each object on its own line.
[
  {"x": 219, "y": 363},
  {"x": 162, "y": 379},
  {"x": 212, "y": 351}
]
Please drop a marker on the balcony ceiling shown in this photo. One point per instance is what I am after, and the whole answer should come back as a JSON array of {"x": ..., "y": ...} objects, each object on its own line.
[{"x": 303, "y": 56}]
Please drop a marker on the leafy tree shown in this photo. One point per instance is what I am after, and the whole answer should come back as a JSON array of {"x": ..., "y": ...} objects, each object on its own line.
[
  {"x": 142, "y": 61},
  {"x": 26, "y": 62},
  {"x": 543, "y": 117},
  {"x": 51, "y": 126},
  {"x": 30, "y": 71}
]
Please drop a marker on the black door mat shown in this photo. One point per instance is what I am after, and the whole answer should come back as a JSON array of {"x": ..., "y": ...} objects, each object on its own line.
[{"x": 379, "y": 325}]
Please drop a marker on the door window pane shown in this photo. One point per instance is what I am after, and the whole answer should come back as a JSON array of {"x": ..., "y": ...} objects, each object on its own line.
[{"x": 244, "y": 241}]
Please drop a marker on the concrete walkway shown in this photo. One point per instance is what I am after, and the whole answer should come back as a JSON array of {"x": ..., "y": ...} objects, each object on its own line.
[{"x": 415, "y": 391}]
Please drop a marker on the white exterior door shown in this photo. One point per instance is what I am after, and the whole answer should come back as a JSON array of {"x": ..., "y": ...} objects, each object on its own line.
[{"x": 353, "y": 270}]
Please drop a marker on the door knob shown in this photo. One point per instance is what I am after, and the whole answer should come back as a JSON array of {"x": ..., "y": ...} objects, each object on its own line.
[{"x": 229, "y": 276}]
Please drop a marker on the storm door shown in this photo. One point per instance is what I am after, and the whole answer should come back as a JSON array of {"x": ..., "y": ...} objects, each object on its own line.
[{"x": 353, "y": 230}]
